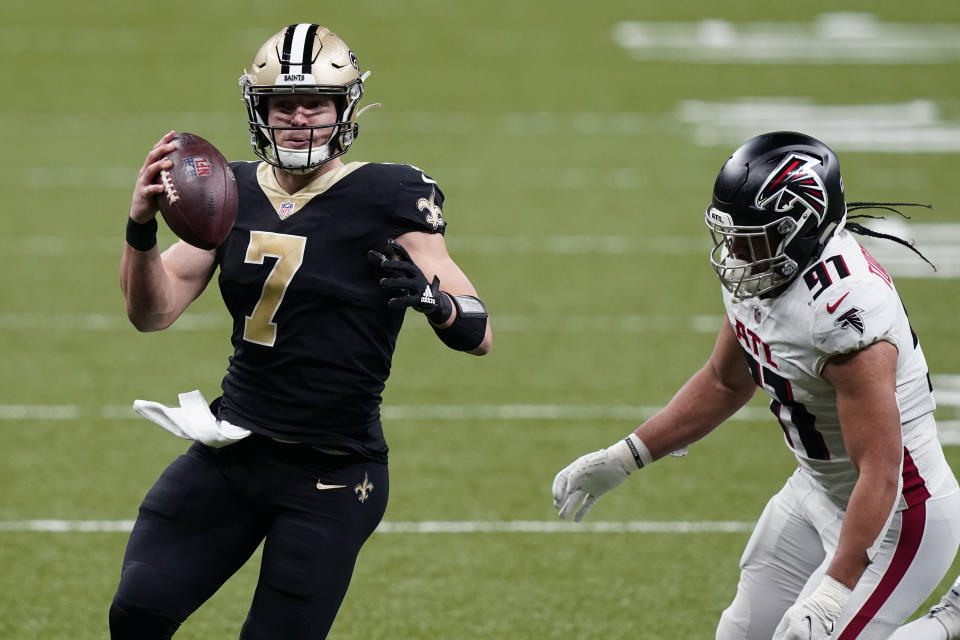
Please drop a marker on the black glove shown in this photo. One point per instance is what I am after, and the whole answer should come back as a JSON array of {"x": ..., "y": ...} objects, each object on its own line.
[{"x": 404, "y": 278}]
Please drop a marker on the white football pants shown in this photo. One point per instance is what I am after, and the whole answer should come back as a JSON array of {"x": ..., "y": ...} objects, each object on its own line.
[{"x": 794, "y": 541}]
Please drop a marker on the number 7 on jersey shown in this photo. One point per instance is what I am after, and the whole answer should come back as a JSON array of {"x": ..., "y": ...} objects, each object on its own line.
[{"x": 259, "y": 326}]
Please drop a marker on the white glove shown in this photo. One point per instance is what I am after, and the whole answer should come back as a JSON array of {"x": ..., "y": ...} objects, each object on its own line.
[
  {"x": 590, "y": 476},
  {"x": 814, "y": 617},
  {"x": 192, "y": 420}
]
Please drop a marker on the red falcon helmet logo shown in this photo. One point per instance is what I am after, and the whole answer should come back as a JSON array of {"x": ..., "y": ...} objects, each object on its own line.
[{"x": 794, "y": 180}]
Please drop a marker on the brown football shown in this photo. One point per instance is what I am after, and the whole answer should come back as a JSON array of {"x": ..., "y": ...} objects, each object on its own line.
[{"x": 199, "y": 199}]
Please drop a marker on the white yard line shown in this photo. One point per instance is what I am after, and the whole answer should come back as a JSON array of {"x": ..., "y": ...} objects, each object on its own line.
[
  {"x": 38, "y": 321},
  {"x": 63, "y": 412},
  {"x": 557, "y": 526},
  {"x": 841, "y": 37},
  {"x": 948, "y": 429},
  {"x": 916, "y": 126},
  {"x": 433, "y": 526},
  {"x": 538, "y": 412},
  {"x": 20, "y": 412}
]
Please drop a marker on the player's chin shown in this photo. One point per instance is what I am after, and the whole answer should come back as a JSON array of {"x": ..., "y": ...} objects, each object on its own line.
[{"x": 294, "y": 145}]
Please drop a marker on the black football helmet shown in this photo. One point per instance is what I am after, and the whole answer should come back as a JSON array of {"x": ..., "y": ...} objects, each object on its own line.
[{"x": 776, "y": 202}]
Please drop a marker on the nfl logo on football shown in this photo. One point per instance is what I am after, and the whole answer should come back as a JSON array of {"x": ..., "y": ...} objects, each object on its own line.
[
  {"x": 286, "y": 208},
  {"x": 196, "y": 167}
]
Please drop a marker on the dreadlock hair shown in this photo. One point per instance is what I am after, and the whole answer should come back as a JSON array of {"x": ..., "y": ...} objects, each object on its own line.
[{"x": 858, "y": 228}]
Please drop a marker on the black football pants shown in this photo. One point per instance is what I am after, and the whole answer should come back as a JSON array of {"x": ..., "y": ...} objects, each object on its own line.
[{"x": 210, "y": 510}]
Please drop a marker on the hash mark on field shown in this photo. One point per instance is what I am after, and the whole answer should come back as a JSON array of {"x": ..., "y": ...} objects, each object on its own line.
[
  {"x": 433, "y": 526},
  {"x": 39, "y": 412}
]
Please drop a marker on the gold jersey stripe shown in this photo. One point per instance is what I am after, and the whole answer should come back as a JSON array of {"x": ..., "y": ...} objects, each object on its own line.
[{"x": 278, "y": 197}]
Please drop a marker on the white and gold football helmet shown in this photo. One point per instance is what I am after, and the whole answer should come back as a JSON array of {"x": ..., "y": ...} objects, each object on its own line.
[{"x": 303, "y": 59}]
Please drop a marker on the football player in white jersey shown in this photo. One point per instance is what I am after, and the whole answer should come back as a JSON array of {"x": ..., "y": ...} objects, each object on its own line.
[{"x": 867, "y": 526}]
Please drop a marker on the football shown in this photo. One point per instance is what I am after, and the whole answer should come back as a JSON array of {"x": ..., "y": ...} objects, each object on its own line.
[{"x": 199, "y": 199}]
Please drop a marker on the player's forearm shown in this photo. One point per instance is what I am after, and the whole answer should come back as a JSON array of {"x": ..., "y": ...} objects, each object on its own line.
[
  {"x": 144, "y": 284},
  {"x": 871, "y": 503},
  {"x": 865, "y": 381},
  {"x": 467, "y": 327},
  {"x": 698, "y": 408},
  {"x": 485, "y": 345}
]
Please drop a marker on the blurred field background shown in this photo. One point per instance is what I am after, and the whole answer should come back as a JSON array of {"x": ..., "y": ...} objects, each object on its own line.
[{"x": 577, "y": 154}]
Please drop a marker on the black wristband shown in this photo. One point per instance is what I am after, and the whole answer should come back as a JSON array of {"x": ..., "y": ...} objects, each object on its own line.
[
  {"x": 633, "y": 450},
  {"x": 142, "y": 237},
  {"x": 468, "y": 328}
]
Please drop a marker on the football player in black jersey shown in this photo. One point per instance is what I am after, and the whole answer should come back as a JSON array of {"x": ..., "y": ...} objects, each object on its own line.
[{"x": 322, "y": 262}]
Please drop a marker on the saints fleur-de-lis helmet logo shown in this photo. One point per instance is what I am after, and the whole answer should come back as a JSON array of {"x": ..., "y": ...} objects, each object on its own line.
[
  {"x": 364, "y": 489},
  {"x": 434, "y": 215}
]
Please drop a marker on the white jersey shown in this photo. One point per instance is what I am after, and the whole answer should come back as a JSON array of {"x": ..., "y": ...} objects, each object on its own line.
[{"x": 843, "y": 303}]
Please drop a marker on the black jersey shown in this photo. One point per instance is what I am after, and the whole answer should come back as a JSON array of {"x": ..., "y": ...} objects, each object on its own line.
[{"x": 313, "y": 336}]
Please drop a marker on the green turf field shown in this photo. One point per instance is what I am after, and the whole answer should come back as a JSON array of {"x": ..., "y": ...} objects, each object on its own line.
[{"x": 575, "y": 171}]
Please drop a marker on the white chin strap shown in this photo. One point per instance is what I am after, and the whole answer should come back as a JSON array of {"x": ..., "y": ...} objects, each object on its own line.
[{"x": 297, "y": 159}]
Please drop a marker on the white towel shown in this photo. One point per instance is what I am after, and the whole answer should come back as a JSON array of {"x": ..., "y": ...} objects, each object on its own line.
[{"x": 192, "y": 420}]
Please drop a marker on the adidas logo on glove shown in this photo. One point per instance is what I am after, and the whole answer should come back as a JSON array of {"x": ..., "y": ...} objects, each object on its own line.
[{"x": 427, "y": 296}]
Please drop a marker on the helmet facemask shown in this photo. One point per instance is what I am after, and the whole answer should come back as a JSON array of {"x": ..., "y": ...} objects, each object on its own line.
[
  {"x": 327, "y": 141},
  {"x": 755, "y": 260}
]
